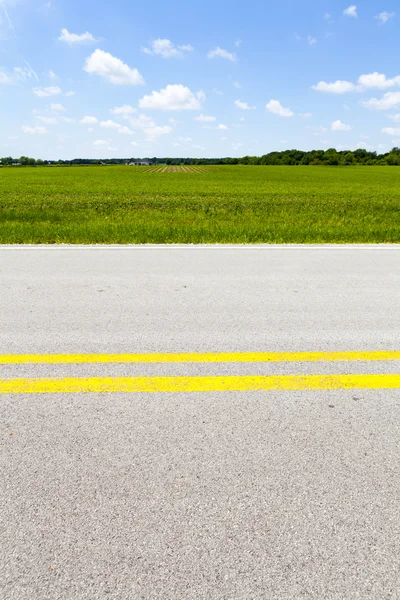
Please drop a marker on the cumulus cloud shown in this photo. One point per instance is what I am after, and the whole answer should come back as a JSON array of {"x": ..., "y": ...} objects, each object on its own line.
[
  {"x": 125, "y": 130},
  {"x": 112, "y": 69},
  {"x": 378, "y": 81},
  {"x": 166, "y": 49},
  {"x": 275, "y": 107},
  {"x": 387, "y": 102},
  {"x": 126, "y": 109},
  {"x": 367, "y": 81},
  {"x": 391, "y": 131},
  {"x": 117, "y": 126},
  {"x": 149, "y": 127},
  {"x": 70, "y": 93},
  {"x": 243, "y": 105},
  {"x": 384, "y": 16},
  {"x": 46, "y": 91},
  {"x": 172, "y": 97},
  {"x": 88, "y": 120},
  {"x": 206, "y": 118},
  {"x": 47, "y": 120},
  {"x": 57, "y": 107},
  {"x": 221, "y": 53},
  {"x": 337, "y": 87},
  {"x": 351, "y": 11},
  {"x": 339, "y": 126},
  {"x": 38, "y": 130},
  {"x": 74, "y": 38},
  {"x": 110, "y": 124},
  {"x": 154, "y": 132},
  {"x": 222, "y": 127}
]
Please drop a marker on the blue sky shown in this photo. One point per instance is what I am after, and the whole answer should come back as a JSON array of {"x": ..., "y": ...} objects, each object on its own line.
[{"x": 214, "y": 78}]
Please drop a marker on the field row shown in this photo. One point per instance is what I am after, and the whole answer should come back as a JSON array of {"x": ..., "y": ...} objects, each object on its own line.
[{"x": 175, "y": 169}]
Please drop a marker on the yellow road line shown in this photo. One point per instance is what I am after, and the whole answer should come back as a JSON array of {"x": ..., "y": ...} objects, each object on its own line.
[
  {"x": 216, "y": 357},
  {"x": 197, "y": 384}
]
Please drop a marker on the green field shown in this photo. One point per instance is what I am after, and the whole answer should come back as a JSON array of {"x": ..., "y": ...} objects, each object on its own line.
[{"x": 223, "y": 204}]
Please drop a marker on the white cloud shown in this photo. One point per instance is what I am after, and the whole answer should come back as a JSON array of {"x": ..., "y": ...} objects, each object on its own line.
[
  {"x": 378, "y": 81},
  {"x": 47, "y": 91},
  {"x": 125, "y": 130},
  {"x": 391, "y": 131},
  {"x": 387, "y": 102},
  {"x": 339, "y": 126},
  {"x": 141, "y": 122},
  {"x": 197, "y": 147},
  {"x": 38, "y": 130},
  {"x": 317, "y": 130},
  {"x": 218, "y": 92},
  {"x": 327, "y": 16},
  {"x": 110, "y": 124},
  {"x": 205, "y": 118},
  {"x": 172, "y": 97},
  {"x": 52, "y": 75},
  {"x": 113, "y": 125},
  {"x": 70, "y": 93},
  {"x": 311, "y": 40},
  {"x": 237, "y": 85},
  {"x": 166, "y": 49},
  {"x": 173, "y": 121},
  {"x": 346, "y": 107},
  {"x": 338, "y": 87},
  {"x": 74, "y": 38},
  {"x": 238, "y": 43},
  {"x": 88, "y": 120},
  {"x": 275, "y": 107},
  {"x": 68, "y": 120},
  {"x": 305, "y": 115},
  {"x": 126, "y": 109},
  {"x": 395, "y": 117},
  {"x": 154, "y": 132},
  {"x": 47, "y": 120},
  {"x": 111, "y": 68},
  {"x": 221, "y": 53},
  {"x": 222, "y": 127},
  {"x": 185, "y": 139},
  {"x": 57, "y": 107},
  {"x": 134, "y": 143},
  {"x": 100, "y": 143},
  {"x": 383, "y": 17},
  {"x": 351, "y": 11},
  {"x": 243, "y": 105},
  {"x": 149, "y": 127},
  {"x": 23, "y": 73}
]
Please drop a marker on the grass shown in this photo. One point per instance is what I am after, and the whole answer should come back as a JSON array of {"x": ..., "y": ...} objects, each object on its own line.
[{"x": 224, "y": 204}]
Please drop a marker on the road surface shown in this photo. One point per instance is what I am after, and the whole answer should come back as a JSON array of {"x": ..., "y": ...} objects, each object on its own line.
[{"x": 200, "y": 423}]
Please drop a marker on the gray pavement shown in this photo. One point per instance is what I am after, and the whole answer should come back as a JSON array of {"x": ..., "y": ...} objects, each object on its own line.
[{"x": 250, "y": 495}]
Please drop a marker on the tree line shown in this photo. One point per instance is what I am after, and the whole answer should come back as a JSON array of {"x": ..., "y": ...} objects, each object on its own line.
[{"x": 329, "y": 157}]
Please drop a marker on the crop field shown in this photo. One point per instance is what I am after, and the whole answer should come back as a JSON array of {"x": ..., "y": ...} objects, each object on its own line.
[{"x": 213, "y": 204}]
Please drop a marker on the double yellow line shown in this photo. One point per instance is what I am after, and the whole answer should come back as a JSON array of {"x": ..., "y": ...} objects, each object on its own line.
[{"x": 197, "y": 383}]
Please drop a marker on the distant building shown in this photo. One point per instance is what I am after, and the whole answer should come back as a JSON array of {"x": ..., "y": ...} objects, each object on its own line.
[{"x": 143, "y": 163}]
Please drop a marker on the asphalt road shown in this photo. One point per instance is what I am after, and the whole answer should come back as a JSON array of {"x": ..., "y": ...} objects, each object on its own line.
[{"x": 239, "y": 495}]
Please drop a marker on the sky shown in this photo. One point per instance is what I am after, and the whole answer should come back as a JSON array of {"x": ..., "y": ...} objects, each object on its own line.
[{"x": 198, "y": 79}]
